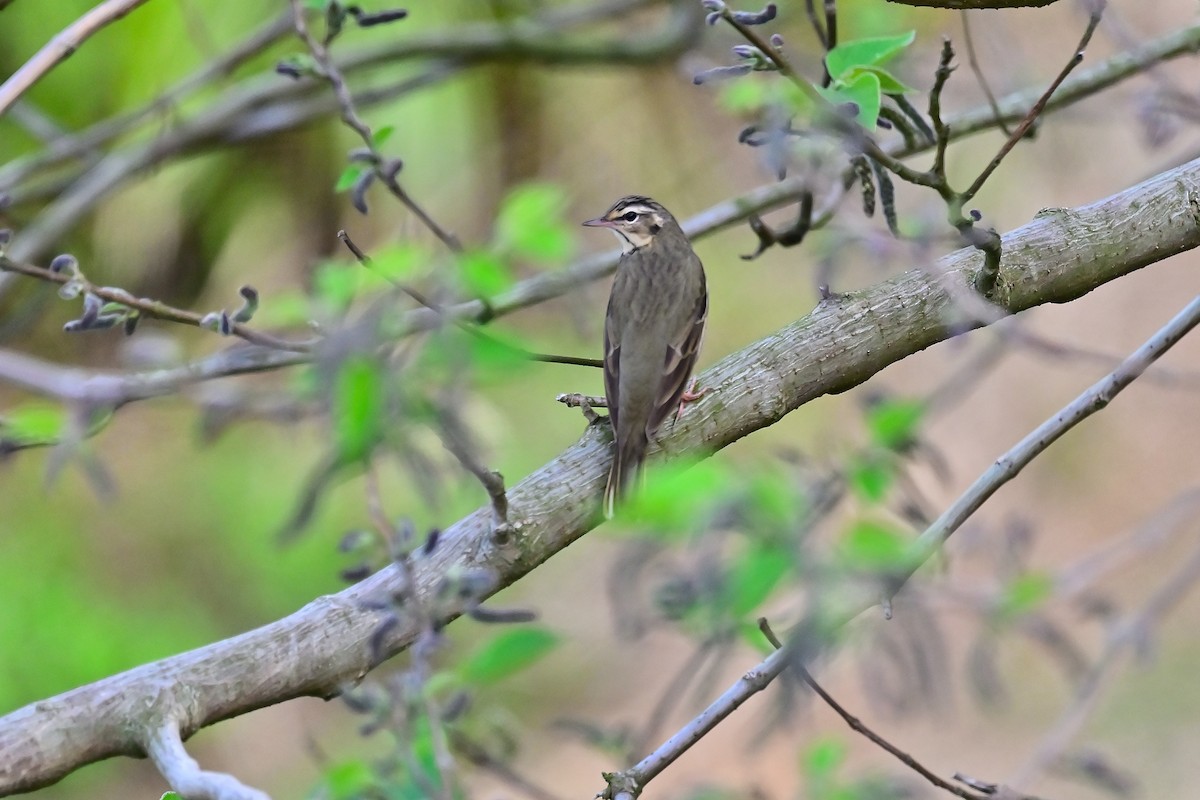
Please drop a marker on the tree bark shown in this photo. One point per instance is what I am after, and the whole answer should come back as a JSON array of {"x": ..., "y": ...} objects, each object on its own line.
[{"x": 1059, "y": 256}]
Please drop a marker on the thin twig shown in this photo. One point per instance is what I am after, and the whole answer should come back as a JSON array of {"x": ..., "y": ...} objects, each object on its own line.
[
  {"x": 58, "y": 49},
  {"x": 1035, "y": 110},
  {"x": 1130, "y": 634},
  {"x": 1095, "y": 398},
  {"x": 860, "y": 727},
  {"x": 973, "y": 61},
  {"x": 467, "y": 326},
  {"x": 154, "y": 309},
  {"x": 479, "y": 757},
  {"x": 455, "y": 438},
  {"x": 88, "y": 141},
  {"x": 386, "y": 170},
  {"x": 631, "y": 782}
]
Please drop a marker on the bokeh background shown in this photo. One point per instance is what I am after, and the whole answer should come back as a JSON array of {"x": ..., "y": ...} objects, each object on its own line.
[{"x": 183, "y": 553}]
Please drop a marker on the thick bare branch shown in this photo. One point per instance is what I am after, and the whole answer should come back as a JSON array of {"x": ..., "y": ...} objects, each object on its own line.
[
  {"x": 1061, "y": 255},
  {"x": 630, "y": 783}
]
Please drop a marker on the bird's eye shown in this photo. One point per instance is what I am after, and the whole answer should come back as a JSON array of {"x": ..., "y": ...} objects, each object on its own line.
[{"x": 630, "y": 216}]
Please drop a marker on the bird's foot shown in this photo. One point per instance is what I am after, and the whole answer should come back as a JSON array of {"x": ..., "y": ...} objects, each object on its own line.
[{"x": 690, "y": 395}]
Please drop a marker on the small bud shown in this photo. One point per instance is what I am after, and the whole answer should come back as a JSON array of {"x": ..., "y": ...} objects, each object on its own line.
[
  {"x": 71, "y": 289},
  {"x": 358, "y": 192},
  {"x": 721, "y": 74},
  {"x": 776, "y": 41},
  {"x": 289, "y": 69},
  {"x": 91, "y": 310},
  {"x": 249, "y": 305},
  {"x": 501, "y": 616},
  {"x": 378, "y": 18},
  {"x": 431, "y": 542},
  {"x": 713, "y": 18},
  {"x": 354, "y": 540},
  {"x": 456, "y": 707},
  {"x": 356, "y": 573},
  {"x": 65, "y": 263},
  {"x": 756, "y": 17}
]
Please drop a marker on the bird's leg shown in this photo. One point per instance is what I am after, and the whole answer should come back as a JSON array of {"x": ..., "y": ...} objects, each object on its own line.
[{"x": 690, "y": 395}]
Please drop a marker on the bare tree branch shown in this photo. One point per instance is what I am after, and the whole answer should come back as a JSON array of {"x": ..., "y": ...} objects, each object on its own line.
[
  {"x": 184, "y": 775},
  {"x": 1060, "y": 256},
  {"x": 58, "y": 49},
  {"x": 631, "y": 782}
]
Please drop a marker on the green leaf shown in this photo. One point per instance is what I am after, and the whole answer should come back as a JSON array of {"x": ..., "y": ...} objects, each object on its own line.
[
  {"x": 773, "y": 503},
  {"x": 383, "y": 134},
  {"x": 495, "y": 357},
  {"x": 870, "y": 52},
  {"x": 823, "y": 758},
  {"x": 863, "y": 91},
  {"x": 399, "y": 262},
  {"x": 530, "y": 223},
  {"x": 893, "y": 423},
  {"x": 33, "y": 424},
  {"x": 677, "y": 498},
  {"x": 348, "y": 780},
  {"x": 753, "y": 576},
  {"x": 871, "y": 477},
  {"x": 1025, "y": 593},
  {"x": 744, "y": 95},
  {"x": 336, "y": 284},
  {"x": 874, "y": 545},
  {"x": 285, "y": 309},
  {"x": 350, "y": 176},
  {"x": 357, "y": 407},
  {"x": 888, "y": 83},
  {"x": 484, "y": 273},
  {"x": 507, "y": 654},
  {"x": 171, "y": 796}
]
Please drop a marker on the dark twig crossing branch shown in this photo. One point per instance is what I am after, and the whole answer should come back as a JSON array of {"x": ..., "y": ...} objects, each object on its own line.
[
  {"x": 857, "y": 725},
  {"x": 385, "y": 169}
]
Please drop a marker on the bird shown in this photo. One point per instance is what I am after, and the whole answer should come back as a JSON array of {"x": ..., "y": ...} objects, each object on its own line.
[{"x": 652, "y": 331}]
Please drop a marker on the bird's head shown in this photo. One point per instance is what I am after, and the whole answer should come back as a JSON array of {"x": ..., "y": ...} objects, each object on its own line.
[{"x": 635, "y": 220}]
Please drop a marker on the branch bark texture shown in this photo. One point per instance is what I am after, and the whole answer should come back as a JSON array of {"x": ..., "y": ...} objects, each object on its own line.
[{"x": 1059, "y": 256}]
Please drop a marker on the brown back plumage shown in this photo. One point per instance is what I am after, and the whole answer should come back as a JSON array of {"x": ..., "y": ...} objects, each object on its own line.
[{"x": 652, "y": 332}]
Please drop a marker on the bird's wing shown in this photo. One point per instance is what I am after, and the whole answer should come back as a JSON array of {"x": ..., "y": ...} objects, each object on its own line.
[
  {"x": 682, "y": 352},
  {"x": 612, "y": 371}
]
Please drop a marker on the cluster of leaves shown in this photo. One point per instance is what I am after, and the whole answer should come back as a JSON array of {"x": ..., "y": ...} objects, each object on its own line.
[
  {"x": 857, "y": 80},
  {"x": 450, "y": 709},
  {"x": 380, "y": 386}
]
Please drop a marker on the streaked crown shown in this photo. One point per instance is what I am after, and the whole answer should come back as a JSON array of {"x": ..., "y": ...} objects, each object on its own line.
[{"x": 635, "y": 220}]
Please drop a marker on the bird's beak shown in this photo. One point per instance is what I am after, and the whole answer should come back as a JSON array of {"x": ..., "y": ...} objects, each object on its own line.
[{"x": 599, "y": 222}]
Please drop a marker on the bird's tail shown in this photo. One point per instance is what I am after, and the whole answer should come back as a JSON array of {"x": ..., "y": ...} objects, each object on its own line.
[{"x": 628, "y": 458}]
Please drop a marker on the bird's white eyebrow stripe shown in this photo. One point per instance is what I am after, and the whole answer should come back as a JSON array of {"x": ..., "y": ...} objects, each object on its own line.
[{"x": 637, "y": 208}]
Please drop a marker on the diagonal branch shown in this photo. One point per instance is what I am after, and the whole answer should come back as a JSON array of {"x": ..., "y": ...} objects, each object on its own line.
[
  {"x": 629, "y": 784},
  {"x": 61, "y": 47}
]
